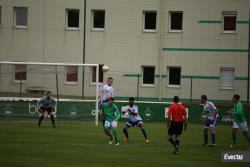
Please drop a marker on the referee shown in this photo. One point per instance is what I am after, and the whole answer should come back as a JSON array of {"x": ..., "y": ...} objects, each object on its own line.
[{"x": 177, "y": 118}]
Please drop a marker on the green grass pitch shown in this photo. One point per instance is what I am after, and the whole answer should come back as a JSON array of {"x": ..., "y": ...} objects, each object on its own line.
[{"x": 81, "y": 144}]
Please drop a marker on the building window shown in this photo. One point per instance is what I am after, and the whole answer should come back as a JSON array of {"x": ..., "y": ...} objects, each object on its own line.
[
  {"x": 98, "y": 22},
  {"x": 0, "y": 15},
  {"x": 20, "y": 17},
  {"x": 148, "y": 75},
  {"x": 71, "y": 74},
  {"x": 229, "y": 22},
  {"x": 100, "y": 74},
  {"x": 149, "y": 21},
  {"x": 227, "y": 78},
  {"x": 174, "y": 76},
  {"x": 20, "y": 73},
  {"x": 72, "y": 19},
  {"x": 176, "y": 19}
]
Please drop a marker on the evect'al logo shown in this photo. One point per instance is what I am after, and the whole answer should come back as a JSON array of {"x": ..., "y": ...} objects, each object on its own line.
[{"x": 233, "y": 157}]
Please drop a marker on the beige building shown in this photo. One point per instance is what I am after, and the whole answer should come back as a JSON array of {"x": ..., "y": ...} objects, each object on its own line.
[{"x": 155, "y": 48}]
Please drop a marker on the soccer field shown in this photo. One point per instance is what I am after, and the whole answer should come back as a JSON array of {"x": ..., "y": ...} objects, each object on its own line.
[{"x": 75, "y": 144}]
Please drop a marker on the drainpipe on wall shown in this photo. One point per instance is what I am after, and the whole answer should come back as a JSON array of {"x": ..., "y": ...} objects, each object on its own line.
[
  {"x": 248, "y": 64},
  {"x": 84, "y": 46},
  {"x": 161, "y": 40},
  {"x": 44, "y": 27}
]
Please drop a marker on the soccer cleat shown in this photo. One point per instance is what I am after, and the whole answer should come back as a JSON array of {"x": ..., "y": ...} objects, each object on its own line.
[
  {"x": 176, "y": 152},
  {"x": 117, "y": 144},
  {"x": 125, "y": 139},
  {"x": 177, "y": 149},
  {"x": 147, "y": 141},
  {"x": 111, "y": 140},
  {"x": 232, "y": 146}
]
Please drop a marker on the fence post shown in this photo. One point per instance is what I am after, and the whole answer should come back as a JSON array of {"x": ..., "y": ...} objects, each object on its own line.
[{"x": 57, "y": 88}]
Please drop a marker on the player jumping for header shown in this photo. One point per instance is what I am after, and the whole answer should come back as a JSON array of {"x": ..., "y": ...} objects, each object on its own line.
[
  {"x": 134, "y": 120},
  {"x": 46, "y": 104},
  {"x": 107, "y": 91}
]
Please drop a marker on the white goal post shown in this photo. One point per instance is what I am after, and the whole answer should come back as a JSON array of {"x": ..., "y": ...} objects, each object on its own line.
[{"x": 66, "y": 64}]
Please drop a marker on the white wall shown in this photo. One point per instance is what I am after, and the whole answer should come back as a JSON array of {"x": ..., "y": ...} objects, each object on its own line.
[{"x": 124, "y": 47}]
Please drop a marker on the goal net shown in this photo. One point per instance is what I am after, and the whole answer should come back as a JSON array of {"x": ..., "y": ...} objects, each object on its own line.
[{"x": 75, "y": 87}]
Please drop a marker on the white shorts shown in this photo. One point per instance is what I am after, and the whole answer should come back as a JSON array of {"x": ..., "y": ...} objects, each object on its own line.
[
  {"x": 242, "y": 126},
  {"x": 110, "y": 124}
]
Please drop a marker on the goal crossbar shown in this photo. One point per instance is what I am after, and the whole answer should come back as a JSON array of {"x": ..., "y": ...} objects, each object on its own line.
[
  {"x": 66, "y": 64},
  {"x": 47, "y": 64}
]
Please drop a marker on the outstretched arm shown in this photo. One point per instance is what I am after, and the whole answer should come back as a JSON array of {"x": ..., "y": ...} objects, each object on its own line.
[{"x": 125, "y": 110}]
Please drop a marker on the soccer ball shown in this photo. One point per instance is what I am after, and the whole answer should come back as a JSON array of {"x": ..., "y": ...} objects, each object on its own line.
[{"x": 105, "y": 68}]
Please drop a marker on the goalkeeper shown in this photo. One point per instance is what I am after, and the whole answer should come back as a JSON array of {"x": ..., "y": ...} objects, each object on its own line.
[
  {"x": 111, "y": 114},
  {"x": 46, "y": 104}
]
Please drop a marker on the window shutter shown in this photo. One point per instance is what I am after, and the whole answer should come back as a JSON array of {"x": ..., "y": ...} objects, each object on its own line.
[{"x": 227, "y": 78}]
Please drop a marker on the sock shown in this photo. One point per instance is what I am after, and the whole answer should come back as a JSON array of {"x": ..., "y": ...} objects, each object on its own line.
[
  {"x": 177, "y": 143},
  {"x": 125, "y": 131},
  {"x": 144, "y": 133},
  {"x": 172, "y": 142},
  {"x": 205, "y": 138},
  {"x": 213, "y": 137},
  {"x": 115, "y": 133},
  {"x": 247, "y": 137},
  {"x": 52, "y": 120},
  {"x": 234, "y": 138},
  {"x": 107, "y": 132},
  {"x": 40, "y": 120}
]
